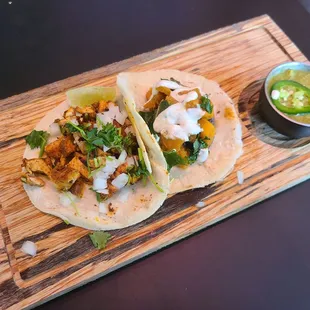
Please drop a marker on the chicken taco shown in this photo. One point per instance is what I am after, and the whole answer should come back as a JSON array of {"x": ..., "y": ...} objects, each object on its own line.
[
  {"x": 85, "y": 162},
  {"x": 190, "y": 118}
]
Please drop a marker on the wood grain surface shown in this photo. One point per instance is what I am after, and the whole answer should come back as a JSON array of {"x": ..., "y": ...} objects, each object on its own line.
[{"x": 238, "y": 57}]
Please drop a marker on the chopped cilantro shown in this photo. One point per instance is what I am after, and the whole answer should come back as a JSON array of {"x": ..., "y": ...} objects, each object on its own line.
[
  {"x": 130, "y": 144},
  {"x": 100, "y": 239},
  {"x": 174, "y": 159},
  {"x": 206, "y": 104},
  {"x": 67, "y": 222},
  {"x": 137, "y": 172},
  {"x": 38, "y": 139}
]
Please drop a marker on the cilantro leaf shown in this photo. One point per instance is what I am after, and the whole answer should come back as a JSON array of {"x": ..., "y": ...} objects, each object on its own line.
[
  {"x": 130, "y": 144},
  {"x": 206, "y": 104},
  {"x": 111, "y": 136},
  {"x": 100, "y": 239},
  {"x": 174, "y": 159},
  {"x": 37, "y": 139}
]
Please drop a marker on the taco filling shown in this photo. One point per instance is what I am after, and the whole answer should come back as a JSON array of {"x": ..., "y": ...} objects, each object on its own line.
[
  {"x": 90, "y": 167},
  {"x": 181, "y": 118}
]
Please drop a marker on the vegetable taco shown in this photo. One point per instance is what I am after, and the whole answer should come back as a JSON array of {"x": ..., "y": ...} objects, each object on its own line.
[
  {"x": 190, "y": 119},
  {"x": 86, "y": 163}
]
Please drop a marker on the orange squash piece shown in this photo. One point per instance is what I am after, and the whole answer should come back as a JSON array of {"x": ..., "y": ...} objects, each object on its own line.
[
  {"x": 170, "y": 144},
  {"x": 208, "y": 130}
]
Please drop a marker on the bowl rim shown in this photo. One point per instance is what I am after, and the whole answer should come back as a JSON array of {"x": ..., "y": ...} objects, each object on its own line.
[{"x": 269, "y": 75}]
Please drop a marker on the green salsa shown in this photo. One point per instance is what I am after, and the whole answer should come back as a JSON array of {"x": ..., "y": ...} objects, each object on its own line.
[{"x": 294, "y": 100}]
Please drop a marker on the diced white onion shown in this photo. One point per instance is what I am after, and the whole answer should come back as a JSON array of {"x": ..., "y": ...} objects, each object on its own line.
[
  {"x": 275, "y": 94},
  {"x": 105, "y": 148},
  {"x": 54, "y": 130},
  {"x": 113, "y": 113},
  {"x": 99, "y": 183},
  {"x": 203, "y": 155},
  {"x": 240, "y": 177},
  {"x": 29, "y": 248},
  {"x": 200, "y": 204},
  {"x": 74, "y": 121},
  {"x": 120, "y": 181},
  {"x": 102, "y": 207},
  {"x": 102, "y": 191},
  {"x": 122, "y": 157}
]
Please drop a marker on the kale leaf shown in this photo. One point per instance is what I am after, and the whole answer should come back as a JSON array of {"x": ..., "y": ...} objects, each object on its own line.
[
  {"x": 206, "y": 104},
  {"x": 174, "y": 159}
]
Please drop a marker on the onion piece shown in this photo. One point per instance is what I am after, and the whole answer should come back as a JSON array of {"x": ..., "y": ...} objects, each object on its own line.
[
  {"x": 120, "y": 181},
  {"x": 200, "y": 204},
  {"x": 240, "y": 177},
  {"x": 54, "y": 130},
  {"x": 29, "y": 248}
]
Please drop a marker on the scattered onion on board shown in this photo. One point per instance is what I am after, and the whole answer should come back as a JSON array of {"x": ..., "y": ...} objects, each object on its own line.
[{"x": 29, "y": 248}]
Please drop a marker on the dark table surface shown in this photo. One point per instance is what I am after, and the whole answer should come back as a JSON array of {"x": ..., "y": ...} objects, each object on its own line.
[{"x": 259, "y": 259}]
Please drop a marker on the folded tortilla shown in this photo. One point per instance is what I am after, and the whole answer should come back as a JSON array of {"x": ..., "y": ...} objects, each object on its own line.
[
  {"x": 133, "y": 203},
  {"x": 227, "y": 144}
]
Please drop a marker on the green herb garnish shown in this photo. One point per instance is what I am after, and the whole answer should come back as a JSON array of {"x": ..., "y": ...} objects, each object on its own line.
[
  {"x": 130, "y": 144},
  {"x": 38, "y": 139},
  {"x": 195, "y": 148},
  {"x": 174, "y": 159},
  {"x": 149, "y": 117},
  {"x": 205, "y": 104},
  {"x": 100, "y": 239}
]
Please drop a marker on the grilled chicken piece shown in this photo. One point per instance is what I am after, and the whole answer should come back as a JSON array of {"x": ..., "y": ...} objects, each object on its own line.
[
  {"x": 88, "y": 112},
  {"x": 78, "y": 188},
  {"x": 119, "y": 170},
  {"x": 70, "y": 112},
  {"x": 76, "y": 164},
  {"x": 32, "y": 180},
  {"x": 100, "y": 152},
  {"x": 64, "y": 178},
  {"x": 103, "y": 105},
  {"x": 53, "y": 149},
  {"x": 81, "y": 157},
  {"x": 61, "y": 147},
  {"x": 80, "y": 143},
  {"x": 37, "y": 165},
  {"x": 98, "y": 162}
]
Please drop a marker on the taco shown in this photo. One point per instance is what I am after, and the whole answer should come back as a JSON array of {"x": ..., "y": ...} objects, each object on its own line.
[
  {"x": 190, "y": 118},
  {"x": 85, "y": 162}
]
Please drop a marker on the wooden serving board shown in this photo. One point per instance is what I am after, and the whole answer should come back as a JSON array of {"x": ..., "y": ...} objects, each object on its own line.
[{"x": 238, "y": 57}]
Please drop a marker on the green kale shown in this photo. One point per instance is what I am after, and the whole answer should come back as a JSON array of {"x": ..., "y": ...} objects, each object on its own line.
[
  {"x": 195, "y": 148},
  {"x": 174, "y": 159},
  {"x": 149, "y": 117},
  {"x": 206, "y": 104},
  {"x": 100, "y": 239},
  {"x": 38, "y": 139}
]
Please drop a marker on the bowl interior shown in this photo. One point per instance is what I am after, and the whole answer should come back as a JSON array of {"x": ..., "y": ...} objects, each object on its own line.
[{"x": 277, "y": 70}]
